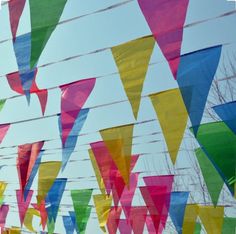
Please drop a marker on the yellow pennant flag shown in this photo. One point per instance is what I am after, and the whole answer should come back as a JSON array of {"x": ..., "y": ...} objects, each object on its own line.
[
  {"x": 97, "y": 172},
  {"x": 3, "y": 186},
  {"x": 118, "y": 140},
  {"x": 212, "y": 218},
  {"x": 48, "y": 172},
  {"x": 28, "y": 221},
  {"x": 190, "y": 216},
  {"x": 102, "y": 205},
  {"x": 173, "y": 116},
  {"x": 12, "y": 230},
  {"x": 132, "y": 59}
]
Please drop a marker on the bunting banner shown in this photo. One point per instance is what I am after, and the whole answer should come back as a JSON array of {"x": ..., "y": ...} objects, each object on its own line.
[
  {"x": 211, "y": 177},
  {"x": 102, "y": 205},
  {"x": 28, "y": 220},
  {"x": 81, "y": 199},
  {"x": 177, "y": 209},
  {"x": 190, "y": 217},
  {"x": 229, "y": 225},
  {"x": 118, "y": 140},
  {"x": 195, "y": 74},
  {"x": 70, "y": 223},
  {"x": 166, "y": 20},
  {"x": 41, "y": 207},
  {"x": 113, "y": 219},
  {"x": 2, "y": 103},
  {"x": 4, "y": 209},
  {"x": 124, "y": 226},
  {"x": 227, "y": 113},
  {"x": 3, "y": 186},
  {"x": 212, "y": 218},
  {"x": 197, "y": 229},
  {"x": 132, "y": 59},
  {"x": 48, "y": 172},
  {"x": 3, "y": 130},
  {"x": 219, "y": 142},
  {"x": 172, "y": 115}
]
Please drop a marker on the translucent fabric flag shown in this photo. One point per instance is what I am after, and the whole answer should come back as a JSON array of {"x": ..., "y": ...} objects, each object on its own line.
[
  {"x": 73, "y": 97},
  {"x": 28, "y": 221},
  {"x": 177, "y": 209},
  {"x": 229, "y": 225},
  {"x": 137, "y": 218},
  {"x": 227, "y": 113},
  {"x": 70, "y": 223},
  {"x": 53, "y": 198},
  {"x": 2, "y": 103},
  {"x": 173, "y": 116},
  {"x": 3, "y": 186},
  {"x": 23, "y": 204},
  {"x": 81, "y": 199},
  {"x": 219, "y": 143},
  {"x": 41, "y": 207},
  {"x": 213, "y": 180},
  {"x": 44, "y": 16},
  {"x": 150, "y": 225},
  {"x": 190, "y": 216},
  {"x": 48, "y": 172},
  {"x": 102, "y": 205},
  {"x": 14, "y": 82},
  {"x": 128, "y": 194},
  {"x": 195, "y": 74},
  {"x": 97, "y": 172},
  {"x": 197, "y": 229},
  {"x": 71, "y": 140},
  {"x": 16, "y": 8},
  {"x": 212, "y": 218},
  {"x": 166, "y": 20},
  {"x": 50, "y": 226},
  {"x": 27, "y": 157},
  {"x": 118, "y": 140},
  {"x": 132, "y": 59},
  {"x": 3, "y": 131},
  {"x": 4, "y": 209},
  {"x": 113, "y": 220},
  {"x": 124, "y": 227}
]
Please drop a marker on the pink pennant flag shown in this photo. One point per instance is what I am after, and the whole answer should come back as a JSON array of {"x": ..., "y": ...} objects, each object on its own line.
[
  {"x": 150, "y": 225},
  {"x": 3, "y": 131},
  {"x": 14, "y": 82},
  {"x": 3, "y": 215},
  {"x": 73, "y": 97},
  {"x": 124, "y": 227},
  {"x": 23, "y": 204},
  {"x": 43, "y": 212},
  {"x": 15, "y": 10},
  {"x": 137, "y": 218},
  {"x": 113, "y": 219},
  {"x": 166, "y": 20}
]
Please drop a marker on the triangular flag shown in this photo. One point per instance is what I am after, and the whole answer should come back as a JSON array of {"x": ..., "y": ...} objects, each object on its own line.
[
  {"x": 70, "y": 223},
  {"x": 71, "y": 140},
  {"x": 4, "y": 209},
  {"x": 212, "y": 178},
  {"x": 102, "y": 205},
  {"x": 23, "y": 204},
  {"x": 3, "y": 131},
  {"x": 229, "y": 225},
  {"x": 219, "y": 143},
  {"x": 132, "y": 59},
  {"x": 2, "y": 103},
  {"x": 197, "y": 229},
  {"x": 3, "y": 186},
  {"x": 81, "y": 199},
  {"x": 166, "y": 20},
  {"x": 150, "y": 225},
  {"x": 124, "y": 227},
  {"x": 177, "y": 209},
  {"x": 118, "y": 140},
  {"x": 73, "y": 97},
  {"x": 28, "y": 221},
  {"x": 227, "y": 112},
  {"x": 15, "y": 11},
  {"x": 42, "y": 210},
  {"x": 190, "y": 216},
  {"x": 195, "y": 74},
  {"x": 113, "y": 220},
  {"x": 48, "y": 172},
  {"x": 44, "y": 17},
  {"x": 172, "y": 115},
  {"x": 53, "y": 198},
  {"x": 212, "y": 218}
]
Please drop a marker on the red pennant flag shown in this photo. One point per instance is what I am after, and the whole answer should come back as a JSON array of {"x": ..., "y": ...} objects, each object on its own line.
[
  {"x": 43, "y": 212},
  {"x": 137, "y": 218},
  {"x": 113, "y": 219},
  {"x": 3, "y": 131},
  {"x": 124, "y": 227},
  {"x": 15, "y": 10},
  {"x": 166, "y": 20},
  {"x": 150, "y": 224},
  {"x": 23, "y": 204},
  {"x": 73, "y": 97},
  {"x": 3, "y": 215}
]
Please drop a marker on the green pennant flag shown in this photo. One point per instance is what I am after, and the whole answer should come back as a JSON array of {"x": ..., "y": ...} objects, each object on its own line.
[
  {"x": 198, "y": 228},
  {"x": 2, "y": 102},
  {"x": 229, "y": 226},
  {"x": 50, "y": 226},
  {"x": 82, "y": 209},
  {"x": 219, "y": 142},
  {"x": 212, "y": 178},
  {"x": 44, "y": 16}
]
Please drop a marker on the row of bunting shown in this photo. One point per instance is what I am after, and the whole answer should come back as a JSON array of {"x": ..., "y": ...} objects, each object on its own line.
[{"x": 112, "y": 158}]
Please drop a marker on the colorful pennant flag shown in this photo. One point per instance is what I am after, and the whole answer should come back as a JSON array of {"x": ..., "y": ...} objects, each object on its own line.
[
  {"x": 70, "y": 223},
  {"x": 3, "y": 130},
  {"x": 113, "y": 220},
  {"x": 4, "y": 209},
  {"x": 28, "y": 220},
  {"x": 190, "y": 217}
]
